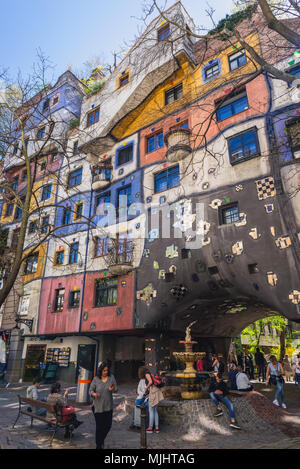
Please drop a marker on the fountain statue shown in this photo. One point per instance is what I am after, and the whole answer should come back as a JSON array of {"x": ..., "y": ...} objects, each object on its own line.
[{"x": 189, "y": 384}]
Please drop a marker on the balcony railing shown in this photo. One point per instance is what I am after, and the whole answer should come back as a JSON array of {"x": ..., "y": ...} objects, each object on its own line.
[
  {"x": 178, "y": 143},
  {"x": 120, "y": 257},
  {"x": 101, "y": 176}
]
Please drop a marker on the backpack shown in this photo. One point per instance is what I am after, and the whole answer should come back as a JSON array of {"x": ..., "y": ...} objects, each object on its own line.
[{"x": 158, "y": 381}]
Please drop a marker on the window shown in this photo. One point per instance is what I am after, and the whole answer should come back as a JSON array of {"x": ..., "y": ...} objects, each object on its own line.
[
  {"x": 54, "y": 157},
  {"x": 14, "y": 184},
  {"x": 243, "y": 146},
  {"x": 184, "y": 125},
  {"x": 59, "y": 257},
  {"x": 163, "y": 33},
  {"x": 167, "y": 179},
  {"x": 75, "y": 147},
  {"x": 101, "y": 246},
  {"x": 24, "y": 175},
  {"x": 173, "y": 94},
  {"x": 124, "y": 79},
  {"x": 9, "y": 210},
  {"x": 18, "y": 213},
  {"x": 45, "y": 225},
  {"x": 232, "y": 106},
  {"x": 293, "y": 130},
  {"x": 46, "y": 105},
  {"x": 253, "y": 268},
  {"x": 229, "y": 214},
  {"x": 106, "y": 292},
  {"x": 15, "y": 237},
  {"x": 103, "y": 172},
  {"x": 55, "y": 100},
  {"x": 32, "y": 227},
  {"x": 24, "y": 305},
  {"x": 123, "y": 200},
  {"x": 41, "y": 132},
  {"x": 59, "y": 299},
  {"x": 16, "y": 147},
  {"x": 66, "y": 216},
  {"x": 31, "y": 264},
  {"x": 46, "y": 192},
  {"x": 237, "y": 60},
  {"x": 124, "y": 249},
  {"x": 75, "y": 178},
  {"x": 43, "y": 165},
  {"x": 93, "y": 116},
  {"x": 124, "y": 155},
  {"x": 73, "y": 256},
  {"x": 211, "y": 70},
  {"x": 74, "y": 299},
  {"x": 155, "y": 142},
  {"x": 78, "y": 211},
  {"x": 101, "y": 203}
]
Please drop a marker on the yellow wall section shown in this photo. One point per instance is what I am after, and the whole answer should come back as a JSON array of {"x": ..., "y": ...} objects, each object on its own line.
[
  {"x": 42, "y": 249},
  {"x": 153, "y": 108},
  {"x": 37, "y": 188}
]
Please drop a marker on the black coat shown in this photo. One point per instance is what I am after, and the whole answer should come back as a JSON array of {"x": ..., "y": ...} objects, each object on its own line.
[{"x": 221, "y": 386}]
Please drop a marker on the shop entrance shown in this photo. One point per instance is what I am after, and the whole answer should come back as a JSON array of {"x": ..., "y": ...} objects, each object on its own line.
[{"x": 35, "y": 354}]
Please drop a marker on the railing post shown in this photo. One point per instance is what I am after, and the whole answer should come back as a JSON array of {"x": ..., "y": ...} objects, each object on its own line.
[{"x": 143, "y": 427}]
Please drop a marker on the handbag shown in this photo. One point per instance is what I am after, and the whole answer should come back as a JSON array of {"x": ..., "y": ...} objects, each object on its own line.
[{"x": 273, "y": 380}]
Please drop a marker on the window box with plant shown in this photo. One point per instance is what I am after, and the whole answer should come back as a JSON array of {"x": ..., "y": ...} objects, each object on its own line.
[{"x": 101, "y": 176}]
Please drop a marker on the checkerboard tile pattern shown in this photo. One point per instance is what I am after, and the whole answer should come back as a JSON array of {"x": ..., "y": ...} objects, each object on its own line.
[{"x": 265, "y": 188}]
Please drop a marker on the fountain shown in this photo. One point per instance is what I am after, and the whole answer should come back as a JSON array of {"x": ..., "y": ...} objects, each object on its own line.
[{"x": 190, "y": 383}]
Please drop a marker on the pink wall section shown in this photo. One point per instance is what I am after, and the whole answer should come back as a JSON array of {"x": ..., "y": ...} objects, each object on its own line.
[
  {"x": 65, "y": 321},
  {"x": 106, "y": 318},
  {"x": 68, "y": 320}
]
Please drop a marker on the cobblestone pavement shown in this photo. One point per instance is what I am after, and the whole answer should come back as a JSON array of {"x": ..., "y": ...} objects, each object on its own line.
[{"x": 259, "y": 431}]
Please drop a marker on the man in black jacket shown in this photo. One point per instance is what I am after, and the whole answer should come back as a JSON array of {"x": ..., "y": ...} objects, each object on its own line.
[
  {"x": 218, "y": 391},
  {"x": 260, "y": 363}
]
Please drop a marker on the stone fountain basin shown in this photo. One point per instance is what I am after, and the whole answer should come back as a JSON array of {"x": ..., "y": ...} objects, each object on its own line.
[{"x": 189, "y": 356}]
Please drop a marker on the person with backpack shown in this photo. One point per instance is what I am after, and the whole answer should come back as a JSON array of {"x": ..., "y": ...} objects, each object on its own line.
[
  {"x": 275, "y": 376},
  {"x": 140, "y": 400},
  {"x": 154, "y": 385}
]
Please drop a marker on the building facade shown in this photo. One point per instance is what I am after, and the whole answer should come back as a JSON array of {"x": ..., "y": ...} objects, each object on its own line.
[{"x": 176, "y": 200}]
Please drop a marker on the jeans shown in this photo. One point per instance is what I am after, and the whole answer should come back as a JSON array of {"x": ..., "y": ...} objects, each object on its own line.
[
  {"x": 279, "y": 392},
  {"x": 103, "y": 425},
  {"x": 153, "y": 416},
  {"x": 217, "y": 398}
]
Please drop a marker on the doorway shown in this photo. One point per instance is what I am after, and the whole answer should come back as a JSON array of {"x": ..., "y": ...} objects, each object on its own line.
[{"x": 35, "y": 354}]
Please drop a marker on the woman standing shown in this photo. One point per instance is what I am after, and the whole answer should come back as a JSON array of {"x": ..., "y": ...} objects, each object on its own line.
[
  {"x": 141, "y": 396},
  {"x": 296, "y": 371},
  {"x": 101, "y": 389},
  {"x": 275, "y": 376},
  {"x": 287, "y": 368},
  {"x": 155, "y": 396}
]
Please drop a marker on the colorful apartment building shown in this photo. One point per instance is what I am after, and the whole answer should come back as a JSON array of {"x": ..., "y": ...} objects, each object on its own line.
[{"x": 176, "y": 200}]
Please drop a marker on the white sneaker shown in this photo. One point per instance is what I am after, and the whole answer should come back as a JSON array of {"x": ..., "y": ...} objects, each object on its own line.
[
  {"x": 276, "y": 402},
  {"x": 7, "y": 385},
  {"x": 283, "y": 405}
]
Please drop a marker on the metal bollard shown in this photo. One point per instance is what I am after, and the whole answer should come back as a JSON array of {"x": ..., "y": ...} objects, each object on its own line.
[{"x": 143, "y": 427}]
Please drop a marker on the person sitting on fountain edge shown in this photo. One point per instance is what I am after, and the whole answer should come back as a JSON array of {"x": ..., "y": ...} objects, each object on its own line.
[{"x": 218, "y": 391}]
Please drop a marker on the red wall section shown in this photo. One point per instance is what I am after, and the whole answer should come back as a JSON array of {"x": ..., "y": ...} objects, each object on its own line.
[
  {"x": 164, "y": 125},
  {"x": 106, "y": 318},
  {"x": 64, "y": 321}
]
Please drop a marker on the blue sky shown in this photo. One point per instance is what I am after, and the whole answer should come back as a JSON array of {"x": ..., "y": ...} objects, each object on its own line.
[{"x": 70, "y": 32}]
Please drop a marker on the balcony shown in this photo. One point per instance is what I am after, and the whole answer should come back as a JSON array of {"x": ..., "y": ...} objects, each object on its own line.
[
  {"x": 120, "y": 257},
  {"x": 101, "y": 176},
  {"x": 178, "y": 143}
]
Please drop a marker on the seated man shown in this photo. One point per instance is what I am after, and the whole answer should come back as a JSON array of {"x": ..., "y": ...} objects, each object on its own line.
[
  {"x": 218, "y": 391},
  {"x": 32, "y": 393},
  {"x": 242, "y": 381}
]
